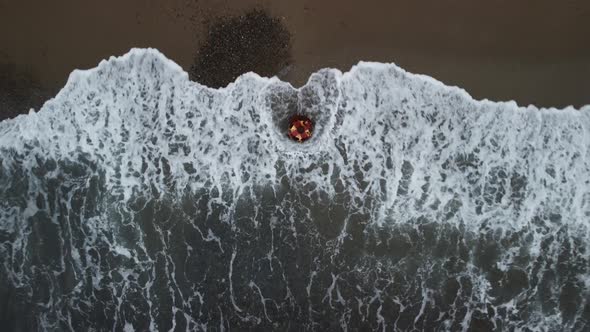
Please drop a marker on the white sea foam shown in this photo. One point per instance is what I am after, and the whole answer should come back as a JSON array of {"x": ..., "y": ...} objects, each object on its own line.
[
  {"x": 136, "y": 113},
  {"x": 404, "y": 148}
]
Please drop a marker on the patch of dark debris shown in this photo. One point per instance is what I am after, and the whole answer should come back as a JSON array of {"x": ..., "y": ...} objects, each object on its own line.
[
  {"x": 254, "y": 41},
  {"x": 19, "y": 91}
]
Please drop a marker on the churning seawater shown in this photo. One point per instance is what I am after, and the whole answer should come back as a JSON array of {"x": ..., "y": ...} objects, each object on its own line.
[{"x": 139, "y": 200}]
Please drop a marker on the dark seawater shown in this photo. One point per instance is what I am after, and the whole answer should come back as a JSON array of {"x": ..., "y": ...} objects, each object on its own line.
[{"x": 138, "y": 200}]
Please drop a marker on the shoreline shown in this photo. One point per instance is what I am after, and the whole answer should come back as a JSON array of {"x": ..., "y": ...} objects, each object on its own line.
[{"x": 530, "y": 54}]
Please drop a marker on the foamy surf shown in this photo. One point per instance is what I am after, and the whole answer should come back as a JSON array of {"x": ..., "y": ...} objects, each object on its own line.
[{"x": 139, "y": 199}]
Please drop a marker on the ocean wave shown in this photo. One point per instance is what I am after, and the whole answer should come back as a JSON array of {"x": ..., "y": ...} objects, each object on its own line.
[{"x": 164, "y": 203}]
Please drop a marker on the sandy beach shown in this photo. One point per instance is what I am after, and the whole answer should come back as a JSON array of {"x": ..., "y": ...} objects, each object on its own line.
[{"x": 534, "y": 52}]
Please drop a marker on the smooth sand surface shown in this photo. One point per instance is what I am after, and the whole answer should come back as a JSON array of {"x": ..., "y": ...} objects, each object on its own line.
[{"x": 532, "y": 51}]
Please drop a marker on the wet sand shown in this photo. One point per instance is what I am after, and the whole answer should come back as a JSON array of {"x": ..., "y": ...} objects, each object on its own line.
[{"x": 534, "y": 52}]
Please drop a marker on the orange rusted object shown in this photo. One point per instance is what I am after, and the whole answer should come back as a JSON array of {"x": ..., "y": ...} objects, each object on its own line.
[{"x": 300, "y": 128}]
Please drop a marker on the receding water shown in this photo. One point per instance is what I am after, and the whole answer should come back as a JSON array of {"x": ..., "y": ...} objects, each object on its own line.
[{"x": 139, "y": 200}]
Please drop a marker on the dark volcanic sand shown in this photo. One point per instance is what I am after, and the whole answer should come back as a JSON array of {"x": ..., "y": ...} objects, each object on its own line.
[{"x": 530, "y": 51}]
